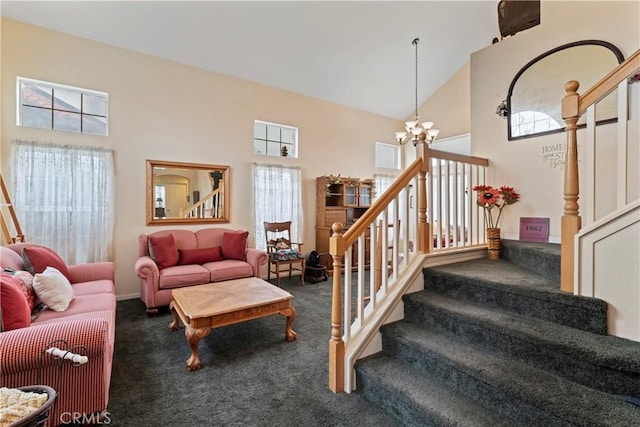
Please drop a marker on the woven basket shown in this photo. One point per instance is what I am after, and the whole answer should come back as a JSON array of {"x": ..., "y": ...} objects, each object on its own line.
[
  {"x": 39, "y": 417},
  {"x": 493, "y": 242}
]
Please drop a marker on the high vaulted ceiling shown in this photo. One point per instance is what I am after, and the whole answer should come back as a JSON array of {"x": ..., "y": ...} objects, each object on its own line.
[{"x": 354, "y": 53}]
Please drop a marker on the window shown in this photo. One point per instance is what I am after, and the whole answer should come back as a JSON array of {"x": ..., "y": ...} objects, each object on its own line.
[
  {"x": 64, "y": 197},
  {"x": 48, "y": 105},
  {"x": 387, "y": 156},
  {"x": 530, "y": 122},
  {"x": 273, "y": 139},
  {"x": 277, "y": 195}
]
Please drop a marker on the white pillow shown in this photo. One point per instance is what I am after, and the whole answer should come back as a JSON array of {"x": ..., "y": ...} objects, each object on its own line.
[{"x": 53, "y": 288}]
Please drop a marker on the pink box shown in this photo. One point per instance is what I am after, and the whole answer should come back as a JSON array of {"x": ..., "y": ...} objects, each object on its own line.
[{"x": 534, "y": 230}]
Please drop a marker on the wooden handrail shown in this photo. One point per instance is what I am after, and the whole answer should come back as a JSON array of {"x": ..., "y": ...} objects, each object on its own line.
[
  {"x": 444, "y": 155},
  {"x": 573, "y": 106},
  {"x": 609, "y": 82},
  {"x": 381, "y": 203},
  {"x": 202, "y": 201}
]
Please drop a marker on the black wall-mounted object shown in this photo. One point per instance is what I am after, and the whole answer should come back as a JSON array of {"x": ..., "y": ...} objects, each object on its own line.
[{"x": 517, "y": 15}]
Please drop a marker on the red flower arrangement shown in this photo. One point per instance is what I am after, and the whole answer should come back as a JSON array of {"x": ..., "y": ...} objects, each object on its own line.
[{"x": 490, "y": 198}]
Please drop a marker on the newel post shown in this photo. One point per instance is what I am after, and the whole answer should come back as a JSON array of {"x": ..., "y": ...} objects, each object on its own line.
[
  {"x": 336, "y": 344},
  {"x": 571, "y": 221},
  {"x": 424, "y": 227}
]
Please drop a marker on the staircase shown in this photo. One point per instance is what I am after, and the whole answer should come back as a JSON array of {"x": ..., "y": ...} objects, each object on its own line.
[{"x": 495, "y": 342}]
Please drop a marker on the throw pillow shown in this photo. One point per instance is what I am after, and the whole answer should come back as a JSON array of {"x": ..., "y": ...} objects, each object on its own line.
[
  {"x": 53, "y": 289},
  {"x": 200, "y": 256},
  {"x": 234, "y": 245},
  {"x": 163, "y": 250},
  {"x": 13, "y": 305},
  {"x": 24, "y": 280},
  {"x": 37, "y": 258}
]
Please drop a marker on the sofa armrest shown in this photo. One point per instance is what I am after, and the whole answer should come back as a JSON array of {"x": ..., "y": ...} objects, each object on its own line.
[
  {"x": 257, "y": 258},
  {"x": 22, "y": 348},
  {"x": 147, "y": 269},
  {"x": 92, "y": 271}
]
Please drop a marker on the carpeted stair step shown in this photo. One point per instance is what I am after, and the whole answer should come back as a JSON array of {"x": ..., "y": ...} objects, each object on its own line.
[
  {"x": 513, "y": 390},
  {"x": 500, "y": 284},
  {"x": 607, "y": 363},
  {"x": 542, "y": 259},
  {"x": 392, "y": 385}
]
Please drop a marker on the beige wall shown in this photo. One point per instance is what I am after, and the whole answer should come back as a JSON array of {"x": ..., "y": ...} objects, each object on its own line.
[
  {"x": 448, "y": 108},
  {"x": 520, "y": 163},
  {"x": 167, "y": 111}
]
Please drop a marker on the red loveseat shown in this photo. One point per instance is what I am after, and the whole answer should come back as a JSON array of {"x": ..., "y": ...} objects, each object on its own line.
[{"x": 186, "y": 258}]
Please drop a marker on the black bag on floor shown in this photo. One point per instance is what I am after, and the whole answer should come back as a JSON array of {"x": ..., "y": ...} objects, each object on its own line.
[{"x": 314, "y": 271}]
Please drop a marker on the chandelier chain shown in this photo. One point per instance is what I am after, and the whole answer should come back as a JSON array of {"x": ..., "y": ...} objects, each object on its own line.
[{"x": 415, "y": 42}]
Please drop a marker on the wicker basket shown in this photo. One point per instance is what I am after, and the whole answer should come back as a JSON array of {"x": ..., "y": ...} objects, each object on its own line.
[
  {"x": 493, "y": 242},
  {"x": 39, "y": 416}
]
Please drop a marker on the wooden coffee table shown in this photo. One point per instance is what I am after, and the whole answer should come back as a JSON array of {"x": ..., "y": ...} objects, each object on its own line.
[{"x": 218, "y": 304}]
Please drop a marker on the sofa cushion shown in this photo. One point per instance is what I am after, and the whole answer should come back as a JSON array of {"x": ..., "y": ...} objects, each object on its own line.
[
  {"x": 228, "y": 269},
  {"x": 163, "y": 250},
  {"x": 199, "y": 256},
  {"x": 93, "y": 287},
  {"x": 82, "y": 304},
  {"x": 15, "y": 309},
  {"x": 183, "y": 275},
  {"x": 53, "y": 289},
  {"x": 234, "y": 245}
]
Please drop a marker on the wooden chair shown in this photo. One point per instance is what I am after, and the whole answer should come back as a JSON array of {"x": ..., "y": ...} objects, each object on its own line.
[{"x": 282, "y": 251}]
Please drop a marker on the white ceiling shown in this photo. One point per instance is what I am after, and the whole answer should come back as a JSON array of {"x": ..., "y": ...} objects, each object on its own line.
[{"x": 355, "y": 53}]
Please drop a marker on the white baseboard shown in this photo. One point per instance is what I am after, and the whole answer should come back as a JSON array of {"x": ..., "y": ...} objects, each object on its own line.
[{"x": 127, "y": 296}]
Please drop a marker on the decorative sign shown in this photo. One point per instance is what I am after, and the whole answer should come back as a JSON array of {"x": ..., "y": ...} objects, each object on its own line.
[
  {"x": 553, "y": 155},
  {"x": 534, "y": 230}
]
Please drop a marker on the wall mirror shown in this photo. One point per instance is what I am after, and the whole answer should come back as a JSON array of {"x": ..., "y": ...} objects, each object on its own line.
[
  {"x": 187, "y": 193},
  {"x": 534, "y": 100}
]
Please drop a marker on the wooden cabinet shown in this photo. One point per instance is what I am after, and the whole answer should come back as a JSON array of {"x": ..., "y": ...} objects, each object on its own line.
[{"x": 342, "y": 200}]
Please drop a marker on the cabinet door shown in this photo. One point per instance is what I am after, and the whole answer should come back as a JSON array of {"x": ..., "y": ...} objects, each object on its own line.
[
  {"x": 364, "y": 195},
  {"x": 350, "y": 195}
]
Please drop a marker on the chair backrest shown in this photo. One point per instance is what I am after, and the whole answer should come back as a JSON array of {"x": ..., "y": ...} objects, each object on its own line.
[{"x": 276, "y": 232}]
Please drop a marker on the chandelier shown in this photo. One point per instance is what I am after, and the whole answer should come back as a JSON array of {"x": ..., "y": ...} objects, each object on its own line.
[{"x": 416, "y": 131}]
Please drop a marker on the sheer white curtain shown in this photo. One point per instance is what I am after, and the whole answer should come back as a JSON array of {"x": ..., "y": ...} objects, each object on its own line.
[
  {"x": 382, "y": 182},
  {"x": 277, "y": 196},
  {"x": 64, "y": 197}
]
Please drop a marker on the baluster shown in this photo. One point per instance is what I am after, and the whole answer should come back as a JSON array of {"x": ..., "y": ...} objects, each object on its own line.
[{"x": 336, "y": 344}]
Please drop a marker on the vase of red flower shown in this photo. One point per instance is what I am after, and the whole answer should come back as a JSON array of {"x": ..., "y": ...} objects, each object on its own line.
[{"x": 490, "y": 200}]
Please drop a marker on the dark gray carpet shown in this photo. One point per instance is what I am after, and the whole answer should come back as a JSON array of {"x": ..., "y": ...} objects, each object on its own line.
[
  {"x": 250, "y": 376},
  {"x": 491, "y": 343}
]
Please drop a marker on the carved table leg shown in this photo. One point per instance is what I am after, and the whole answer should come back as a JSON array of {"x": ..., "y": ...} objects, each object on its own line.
[
  {"x": 290, "y": 314},
  {"x": 174, "y": 325},
  {"x": 193, "y": 338}
]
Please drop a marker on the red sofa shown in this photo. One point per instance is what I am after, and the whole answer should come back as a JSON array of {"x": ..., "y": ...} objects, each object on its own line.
[
  {"x": 88, "y": 321},
  {"x": 157, "y": 281}
]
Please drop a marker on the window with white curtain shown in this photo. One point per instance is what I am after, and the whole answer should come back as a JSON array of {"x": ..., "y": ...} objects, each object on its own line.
[
  {"x": 277, "y": 196},
  {"x": 64, "y": 197}
]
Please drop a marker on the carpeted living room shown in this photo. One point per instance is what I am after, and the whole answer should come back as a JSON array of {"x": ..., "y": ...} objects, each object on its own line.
[{"x": 166, "y": 166}]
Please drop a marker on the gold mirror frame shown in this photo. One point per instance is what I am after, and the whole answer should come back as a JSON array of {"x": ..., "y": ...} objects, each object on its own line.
[
  {"x": 194, "y": 193},
  {"x": 539, "y": 85}
]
